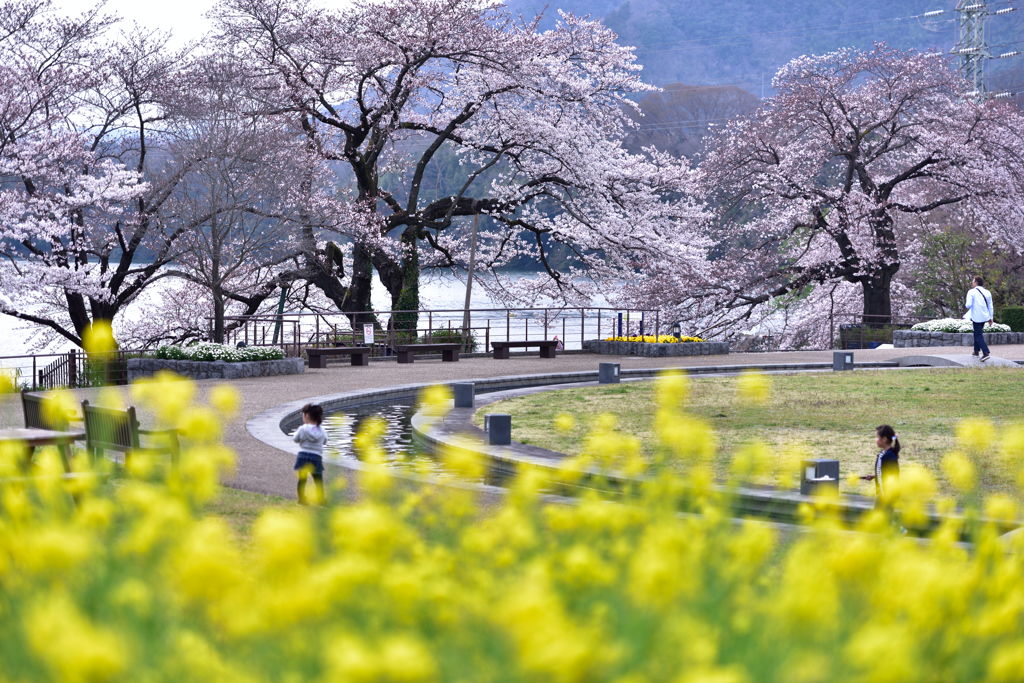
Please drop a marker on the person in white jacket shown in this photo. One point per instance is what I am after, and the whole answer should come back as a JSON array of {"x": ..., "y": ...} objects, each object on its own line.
[{"x": 980, "y": 311}]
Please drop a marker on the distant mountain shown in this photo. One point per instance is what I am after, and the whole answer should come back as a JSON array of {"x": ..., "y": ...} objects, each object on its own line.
[{"x": 744, "y": 42}]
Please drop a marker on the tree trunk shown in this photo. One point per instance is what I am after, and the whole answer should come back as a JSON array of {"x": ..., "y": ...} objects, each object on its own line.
[
  {"x": 359, "y": 291},
  {"x": 218, "y": 313},
  {"x": 877, "y": 298},
  {"x": 409, "y": 297}
]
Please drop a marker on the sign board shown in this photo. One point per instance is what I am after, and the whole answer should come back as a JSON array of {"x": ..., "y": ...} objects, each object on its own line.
[{"x": 367, "y": 334}]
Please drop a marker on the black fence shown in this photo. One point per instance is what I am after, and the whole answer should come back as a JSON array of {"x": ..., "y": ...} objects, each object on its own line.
[
  {"x": 870, "y": 331},
  {"x": 72, "y": 369}
]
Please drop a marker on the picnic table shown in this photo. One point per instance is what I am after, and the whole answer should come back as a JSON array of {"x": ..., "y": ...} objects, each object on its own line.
[{"x": 33, "y": 438}]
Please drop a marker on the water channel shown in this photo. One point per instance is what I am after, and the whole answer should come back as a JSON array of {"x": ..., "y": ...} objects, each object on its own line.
[{"x": 401, "y": 452}]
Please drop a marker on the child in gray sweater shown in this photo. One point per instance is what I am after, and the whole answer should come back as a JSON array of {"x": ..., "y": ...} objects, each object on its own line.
[{"x": 311, "y": 438}]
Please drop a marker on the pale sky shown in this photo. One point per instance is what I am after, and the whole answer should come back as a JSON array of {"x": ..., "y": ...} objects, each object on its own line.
[{"x": 184, "y": 18}]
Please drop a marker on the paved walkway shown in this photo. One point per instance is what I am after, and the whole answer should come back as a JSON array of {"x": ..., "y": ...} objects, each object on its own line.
[{"x": 264, "y": 469}]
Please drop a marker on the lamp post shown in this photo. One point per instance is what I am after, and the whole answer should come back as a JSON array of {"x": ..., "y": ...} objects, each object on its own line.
[{"x": 677, "y": 332}]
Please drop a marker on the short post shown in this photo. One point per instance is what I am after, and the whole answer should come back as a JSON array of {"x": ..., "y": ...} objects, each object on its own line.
[
  {"x": 499, "y": 429},
  {"x": 819, "y": 477},
  {"x": 842, "y": 360},
  {"x": 608, "y": 373},
  {"x": 465, "y": 392}
]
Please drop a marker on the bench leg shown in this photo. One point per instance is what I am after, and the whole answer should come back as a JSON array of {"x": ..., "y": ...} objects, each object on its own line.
[
  {"x": 406, "y": 356},
  {"x": 501, "y": 354},
  {"x": 450, "y": 356},
  {"x": 360, "y": 359},
  {"x": 317, "y": 361},
  {"x": 547, "y": 352}
]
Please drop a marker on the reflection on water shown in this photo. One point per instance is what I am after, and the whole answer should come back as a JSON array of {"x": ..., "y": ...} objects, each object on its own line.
[{"x": 399, "y": 449}]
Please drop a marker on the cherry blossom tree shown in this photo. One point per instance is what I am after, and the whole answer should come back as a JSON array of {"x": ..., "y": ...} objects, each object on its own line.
[
  {"x": 94, "y": 157},
  {"x": 236, "y": 199},
  {"x": 54, "y": 186},
  {"x": 834, "y": 178},
  {"x": 533, "y": 121}
]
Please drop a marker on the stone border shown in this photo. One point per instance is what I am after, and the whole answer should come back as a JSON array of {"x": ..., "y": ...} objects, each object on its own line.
[
  {"x": 905, "y": 339},
  {"x": 644, "y": 349},
  {"x": 218, "y": 369}
]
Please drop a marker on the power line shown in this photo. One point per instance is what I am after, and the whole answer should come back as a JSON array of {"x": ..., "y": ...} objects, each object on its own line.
[
  {"x": 769, "y": 34},
  {"x": 754, "y": 42}
]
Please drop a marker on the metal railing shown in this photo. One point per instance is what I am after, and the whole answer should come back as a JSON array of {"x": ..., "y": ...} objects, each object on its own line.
[
  {"x": 73, "y": 369},
  {"x": 572, "y": 326},
  {"x": 869, "y": 331}
]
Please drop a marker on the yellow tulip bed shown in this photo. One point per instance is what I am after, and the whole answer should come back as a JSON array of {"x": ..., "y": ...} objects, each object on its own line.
[
  {"x": 652, "y": 339},
  {"x": 131, "y": 581}
]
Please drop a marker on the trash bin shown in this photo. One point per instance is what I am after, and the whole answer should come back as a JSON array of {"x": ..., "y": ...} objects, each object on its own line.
[{"x": 818, "y": 477}]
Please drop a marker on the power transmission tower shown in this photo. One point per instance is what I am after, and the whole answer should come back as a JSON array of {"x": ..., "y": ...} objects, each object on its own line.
[{"x": 971, "y": 47}]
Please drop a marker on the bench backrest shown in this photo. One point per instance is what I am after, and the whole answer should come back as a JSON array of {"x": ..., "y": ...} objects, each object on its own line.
[
  {"x": 109, "y": 428},
  {"x": 337, "y": 350},
  {"x": 42, "y": 412}
]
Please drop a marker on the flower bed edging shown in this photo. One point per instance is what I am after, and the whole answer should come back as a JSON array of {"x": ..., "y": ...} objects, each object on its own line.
[
  {"x": 904, "y": 339},
  {"x": 218, "y": 369},
  {"x": 614, "y": 348}
]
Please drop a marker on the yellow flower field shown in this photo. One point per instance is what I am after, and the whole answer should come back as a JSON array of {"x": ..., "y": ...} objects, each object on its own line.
[{"x": 128, "y": 581}]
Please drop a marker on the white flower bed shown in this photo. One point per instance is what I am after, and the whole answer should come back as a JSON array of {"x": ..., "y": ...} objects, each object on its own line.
[
  {"x": 956, "y": 325},
  {"x": 208, "y": 351}
]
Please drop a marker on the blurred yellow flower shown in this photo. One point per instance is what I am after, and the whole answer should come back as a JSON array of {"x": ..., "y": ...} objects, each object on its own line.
[
  {"x": 959, "y": 470},
  {"x": 753, "y": 386},
  {"x": 98, "y": 337}
]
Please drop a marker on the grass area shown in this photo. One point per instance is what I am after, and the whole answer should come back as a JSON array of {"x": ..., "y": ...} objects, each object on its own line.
[
  {"x": 827, "y": 415},
  {"x": 241, "y": 508}
]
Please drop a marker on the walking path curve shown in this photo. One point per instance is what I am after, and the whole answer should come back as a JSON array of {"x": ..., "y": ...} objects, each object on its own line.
[{"x": 265, "y": 469}]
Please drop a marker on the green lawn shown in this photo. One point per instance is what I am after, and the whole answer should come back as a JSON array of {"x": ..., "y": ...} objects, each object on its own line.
[
  {"x": 241, "y": 508},
  {"x": 831, "y": 415}
]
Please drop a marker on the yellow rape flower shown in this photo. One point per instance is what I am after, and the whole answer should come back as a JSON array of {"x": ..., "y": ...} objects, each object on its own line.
[
  {"x": 959, "y": 470},
  {"x": 72, "y": 647}
]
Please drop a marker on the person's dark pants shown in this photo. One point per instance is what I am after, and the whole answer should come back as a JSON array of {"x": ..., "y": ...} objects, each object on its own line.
[{"x": 979, "y": 339}]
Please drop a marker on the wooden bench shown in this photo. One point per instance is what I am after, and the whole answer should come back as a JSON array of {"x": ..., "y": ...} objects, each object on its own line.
[
  {"x": 44, "y": 413},
  {"x": 449, "y": 352},
  {"x": 318, "y": 357},
  {"x": 547, "y": 347},
  {"x": 110, "y": 429}
]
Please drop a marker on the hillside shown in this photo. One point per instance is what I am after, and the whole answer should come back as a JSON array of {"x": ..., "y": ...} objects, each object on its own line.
[{"x": 744, "y": 42}]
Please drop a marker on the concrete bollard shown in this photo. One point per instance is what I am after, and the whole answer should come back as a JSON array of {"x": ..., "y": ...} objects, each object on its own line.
[
  {"x": 465, "y": 394},
  {"x": 499, "y": 429},
  {"x": 842, "y": 360},
  {"x": 608, "y": 373}
]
